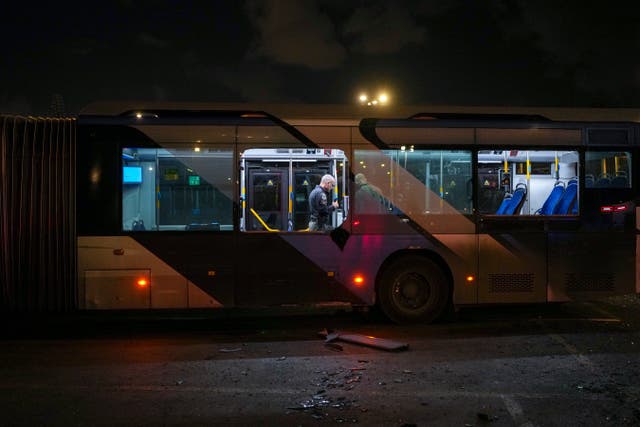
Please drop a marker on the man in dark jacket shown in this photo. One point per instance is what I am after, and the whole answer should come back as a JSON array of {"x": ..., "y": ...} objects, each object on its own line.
[
  {"x": 319, "y": 205},
  {"x": 369, "y": 198}
]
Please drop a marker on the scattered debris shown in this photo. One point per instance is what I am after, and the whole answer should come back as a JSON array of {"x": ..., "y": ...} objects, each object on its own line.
[
  {"x": 281, "y": 358},
  {"x": 333, "y": 346},
  {"x": 323, "y": 404},
  {"x": 482, "y": 416},
  {"x": 369, "y": 341},
  {"x": 229, "y": 350}
]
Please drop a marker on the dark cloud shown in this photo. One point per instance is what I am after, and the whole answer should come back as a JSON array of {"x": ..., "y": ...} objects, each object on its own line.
[
  {"x": 503, "y": 52},
  {"x": 383, "y": 28},
  {"x": 150, "y": 40},
  {"x": 588, "y": 44},
  {"x": 295, "y": 32}
]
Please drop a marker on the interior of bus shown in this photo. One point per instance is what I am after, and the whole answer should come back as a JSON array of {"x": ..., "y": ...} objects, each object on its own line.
[{"x": 187, "y": 190}]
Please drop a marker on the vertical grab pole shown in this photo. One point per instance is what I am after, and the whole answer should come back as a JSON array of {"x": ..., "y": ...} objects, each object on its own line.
[{"x": 290, "y": 207}]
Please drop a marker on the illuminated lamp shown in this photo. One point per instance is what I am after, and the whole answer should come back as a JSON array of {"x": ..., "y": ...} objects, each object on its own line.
[
  {"x": 142, "y": 283},
  {"x": 358, "y": 280},
  {"x": 470, "y": 278},
  {"x": 614, "y": 208}
]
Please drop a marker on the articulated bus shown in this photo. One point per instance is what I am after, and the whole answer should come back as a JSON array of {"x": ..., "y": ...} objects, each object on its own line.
[{"x": 204, "y": 207}]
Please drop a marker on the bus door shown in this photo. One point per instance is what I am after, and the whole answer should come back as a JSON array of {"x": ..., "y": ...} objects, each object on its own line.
[
  {"x": 274, "y": 272},
  {"x": 305, "y": 178},
  {"x": 267, "y": 198}
]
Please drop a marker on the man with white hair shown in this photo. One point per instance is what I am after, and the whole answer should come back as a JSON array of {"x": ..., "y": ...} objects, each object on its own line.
[{"x": 319, "y": 205}]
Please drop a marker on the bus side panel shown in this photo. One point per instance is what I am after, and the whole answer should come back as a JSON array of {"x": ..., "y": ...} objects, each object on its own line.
[
  {"x": 116, "y": 272},
  {"x": 272, "y": 271},
  {"x": 206, "y": 259},
  {"x": 461, "y": 257},
  {"x": 588, "y": 265},
  {"x": 512, "y": 267}
]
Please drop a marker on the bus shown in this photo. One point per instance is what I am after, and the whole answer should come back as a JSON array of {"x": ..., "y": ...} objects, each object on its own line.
[{"x": 197, "y": 207}]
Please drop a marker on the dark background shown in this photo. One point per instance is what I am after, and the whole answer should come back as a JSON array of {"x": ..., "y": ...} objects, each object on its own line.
[{"x": 59, "y": 56}]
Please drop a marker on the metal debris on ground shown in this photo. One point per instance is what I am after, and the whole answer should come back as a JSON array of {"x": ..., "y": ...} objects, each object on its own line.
[
  {"x": 229, "y": 350},
  {"x": 366, "y": 340},
  {"x": 323, "y": 403}
]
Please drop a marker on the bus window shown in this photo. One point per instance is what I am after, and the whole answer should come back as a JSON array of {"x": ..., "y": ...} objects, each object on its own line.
[
  {"x": 275, "y": 184},
  {"x": 528, "y": 182},
  {"x": 607, "y": 169},
  {"x": 181, "y": 188},
  {"x": 414, "y": 181}
]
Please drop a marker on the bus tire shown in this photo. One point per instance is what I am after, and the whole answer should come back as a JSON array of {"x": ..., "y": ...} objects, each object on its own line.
[{"x": 413, "y": 289}]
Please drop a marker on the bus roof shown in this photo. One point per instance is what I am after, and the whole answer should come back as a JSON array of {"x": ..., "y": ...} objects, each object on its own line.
[{"x": 299, "y": 114}]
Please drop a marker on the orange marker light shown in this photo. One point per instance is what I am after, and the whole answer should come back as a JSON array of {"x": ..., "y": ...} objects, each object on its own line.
[
  {"x": 142, "y": 283},
  {"x": 470, "y": 279},
  {"x": 358, "y": 279}
]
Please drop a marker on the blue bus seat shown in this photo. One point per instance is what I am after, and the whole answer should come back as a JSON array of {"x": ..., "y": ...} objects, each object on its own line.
[
  {"x": 517, "y": 200},
  {"x": 511, "y": 205},
  {"x": 589, "y": 181},
  {"x": 504, "y": 205},
  {"x": 552, "y": 200},
  {"x": 566, "y": 203}
]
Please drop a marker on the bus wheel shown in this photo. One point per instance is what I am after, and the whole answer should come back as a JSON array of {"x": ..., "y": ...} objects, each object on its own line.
[{"x": 413, "y": 289}]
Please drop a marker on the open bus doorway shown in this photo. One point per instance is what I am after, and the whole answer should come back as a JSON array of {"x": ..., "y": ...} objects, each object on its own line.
[{"x": 276, "y": 183}]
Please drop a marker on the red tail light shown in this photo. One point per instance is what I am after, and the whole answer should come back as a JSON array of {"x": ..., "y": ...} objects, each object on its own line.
[{"x": 613, "y": 208}]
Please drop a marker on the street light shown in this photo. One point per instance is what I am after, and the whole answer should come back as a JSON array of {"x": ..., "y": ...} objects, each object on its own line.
[{"x": 381, "y": 99}]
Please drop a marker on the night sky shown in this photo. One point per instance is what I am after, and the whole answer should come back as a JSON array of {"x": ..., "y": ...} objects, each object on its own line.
[{"x": 510, "y": 52}]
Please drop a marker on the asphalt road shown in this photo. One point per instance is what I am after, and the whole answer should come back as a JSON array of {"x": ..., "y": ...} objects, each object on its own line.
[{"x": 555, "y": 365}]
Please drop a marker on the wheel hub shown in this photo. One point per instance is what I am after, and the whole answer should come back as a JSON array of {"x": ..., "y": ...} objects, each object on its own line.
[{"x": 411, "y": 291}]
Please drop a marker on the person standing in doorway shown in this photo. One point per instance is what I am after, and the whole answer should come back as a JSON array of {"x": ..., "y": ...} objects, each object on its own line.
[{"x": 319, "y": 205}]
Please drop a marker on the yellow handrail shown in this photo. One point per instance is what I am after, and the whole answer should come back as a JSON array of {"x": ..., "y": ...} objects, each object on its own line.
[{"x": 264, "y": 224}]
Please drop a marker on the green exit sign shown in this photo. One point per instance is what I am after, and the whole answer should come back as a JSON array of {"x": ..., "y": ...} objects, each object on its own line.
[{"x": 194, "y": 180}]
